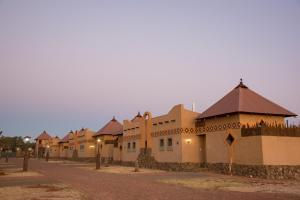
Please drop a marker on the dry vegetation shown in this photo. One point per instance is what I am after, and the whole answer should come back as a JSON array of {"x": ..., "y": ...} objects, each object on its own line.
[
  {"x": 122, "y": 170},
  {"x": 39, "y": 192},
  {"x": 239, "y": 185}
]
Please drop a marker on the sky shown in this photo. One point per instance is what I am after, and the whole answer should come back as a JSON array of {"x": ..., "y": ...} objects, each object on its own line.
[{"x": 65, "y": 64}]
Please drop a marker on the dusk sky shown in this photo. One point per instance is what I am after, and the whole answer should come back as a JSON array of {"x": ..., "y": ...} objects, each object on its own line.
[{"x": 65, "y": 65}]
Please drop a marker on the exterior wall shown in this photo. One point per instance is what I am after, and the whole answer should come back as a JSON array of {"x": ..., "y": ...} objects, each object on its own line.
[
  {"x": 190, "y": 142},
  {"x": 133, "y": 132},
  {"x": 130, "y": 154},
  {"x": 252, "y": 150},
  {"x": 72, "y": 144},
  {"x": 40, "y": 147},
  {"x": 167, "y": 153},
  {"x": 117, "y": 152},
  {"x": 167, "y": 123},
  {"x": 85, "y": 144},
  {"x": 248, "y": 150},
  {"x": 279, "y": 150},
  {"x": 177, "y": 125},
  {"x": 185, "y": 146},
  {"x": 216, "y": 132},
  {"x": 244, "y": 150},
  {"x": 54, "y": 147},
  {"x": 63, "y": 149},
  {"x": 106, "y": 146}
]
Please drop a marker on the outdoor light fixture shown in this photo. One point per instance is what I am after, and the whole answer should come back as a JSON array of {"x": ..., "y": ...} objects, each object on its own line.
[
  {"x": 25, "y": 161},
  {"x": 26, "y": 139},
  {"x": 92, "y": 146},
  {"x": 98, "y": 156},
  {"x": 188, "y": 141}
]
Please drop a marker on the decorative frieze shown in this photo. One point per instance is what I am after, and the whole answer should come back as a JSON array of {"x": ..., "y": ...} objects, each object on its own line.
[
  {"x": 219, "y": 127},
  {"x": 175, "y": 131}
]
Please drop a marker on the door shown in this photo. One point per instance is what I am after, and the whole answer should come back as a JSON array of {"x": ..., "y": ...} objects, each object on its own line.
[{"x": 202, "y": 149}]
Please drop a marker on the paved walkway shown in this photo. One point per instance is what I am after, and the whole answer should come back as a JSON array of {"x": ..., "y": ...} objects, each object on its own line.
[{"x": 107, "y": 186}]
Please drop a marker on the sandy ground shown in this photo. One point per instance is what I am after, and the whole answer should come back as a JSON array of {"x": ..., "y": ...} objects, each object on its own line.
[
  {"x": 70, "y": 180},
  {"x": 238, "y": 185},
  {"x": 11, "y": 174},
  {"x": 39, "y": 192},
  {"x": 122, "y": 170}
]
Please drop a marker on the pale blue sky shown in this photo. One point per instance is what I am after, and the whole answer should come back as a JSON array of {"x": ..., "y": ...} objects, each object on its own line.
[{"x": 71, "y": 64}]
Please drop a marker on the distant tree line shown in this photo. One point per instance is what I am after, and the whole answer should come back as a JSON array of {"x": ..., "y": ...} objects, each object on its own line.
[{"x": 12, "y": 143}]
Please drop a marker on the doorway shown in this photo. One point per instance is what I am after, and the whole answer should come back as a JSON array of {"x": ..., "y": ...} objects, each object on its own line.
[{"x": 202, "y": 148}]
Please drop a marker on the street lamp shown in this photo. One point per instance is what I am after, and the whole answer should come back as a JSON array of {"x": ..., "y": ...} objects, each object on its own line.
[
  {"x": 98, "y": 158},
  {"x": 47, "y": 153},
  {"x": 25, "y": 161}
]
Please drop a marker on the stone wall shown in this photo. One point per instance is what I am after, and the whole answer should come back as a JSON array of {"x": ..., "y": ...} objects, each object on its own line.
[
  {"x": 146, "y": 160},
  {"x": 261, "y": 171}
]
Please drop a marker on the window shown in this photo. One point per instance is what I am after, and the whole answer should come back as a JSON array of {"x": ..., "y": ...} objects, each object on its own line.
[
  {"x": 133, "y": 145},
  {"x": 116, "y": 143},
  {"x": 173, "y": 120},
  {"x": 128, "y": 145},
  {"x": 161, "y": 143},
  {"x": 40, "y": 141},
  {"x": 81, "y": 147},
  {"x": 170, "y": 142},
  {"x": 160, "y": 123},
  {"x": 65, "y": 147},
  {"x": 166, "y": 122}
]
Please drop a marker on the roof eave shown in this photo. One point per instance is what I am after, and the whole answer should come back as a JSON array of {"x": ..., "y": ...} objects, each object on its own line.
[{"x": 244, "y": 112}]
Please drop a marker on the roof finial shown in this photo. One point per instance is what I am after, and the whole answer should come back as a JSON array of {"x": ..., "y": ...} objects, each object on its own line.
[
  {"x": 113, "y": 119},
  {"x": 241, "y": 84}
]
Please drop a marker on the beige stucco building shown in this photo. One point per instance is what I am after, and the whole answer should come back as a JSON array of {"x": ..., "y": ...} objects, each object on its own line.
[
  {"x": 64, "y": 146},
  {"x": 242, "y": 133},
  {"x": 106, "y": 141},
  {"x": 167, "y": 138},
  {"x": 44, "y": 142}
]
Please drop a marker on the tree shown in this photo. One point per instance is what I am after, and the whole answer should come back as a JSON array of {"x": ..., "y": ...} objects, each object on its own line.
[{"x": 12, "y": 143}]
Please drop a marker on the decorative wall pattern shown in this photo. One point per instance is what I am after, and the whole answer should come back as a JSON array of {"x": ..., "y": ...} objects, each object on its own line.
[
  {"x": 219, "y": 127},
  {"x": 174, "y": 132},
  {"x": 178, "y": 131}
]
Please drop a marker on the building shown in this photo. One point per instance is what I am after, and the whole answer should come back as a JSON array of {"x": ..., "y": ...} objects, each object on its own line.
[
  {"x": 64, "y": 147},
  {"x": 162, "y": 141},
  {"x": 86, "y": 143},
  {"x": 245, "y": 133},
  {"x": 108, "y": 137},
  {"x": 54, "y": 147},
  {"x": 42, "y": 143}
]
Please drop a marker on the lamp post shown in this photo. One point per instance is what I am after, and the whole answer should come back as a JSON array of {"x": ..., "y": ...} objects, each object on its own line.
[
  {"x": 47, "y": 153},
  {"x": 25, "y": 161},
  {"x": 98, "y": 158},
  {"x": 1, "y": 132}
]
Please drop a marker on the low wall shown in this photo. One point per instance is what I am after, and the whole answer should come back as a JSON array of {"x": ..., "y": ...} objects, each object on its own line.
[
  {"x": 261, "y": 171},
  {"x": 145, "y": 160}
]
